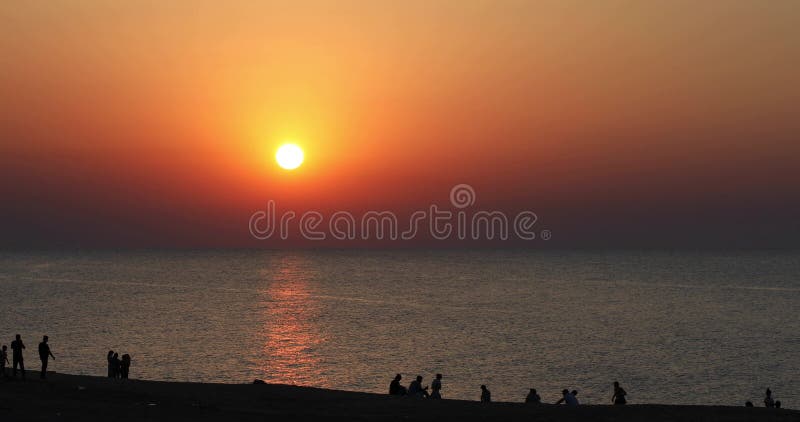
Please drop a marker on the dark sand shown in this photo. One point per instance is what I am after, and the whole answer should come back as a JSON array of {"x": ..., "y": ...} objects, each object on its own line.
[{"x": 72, "y": 397}]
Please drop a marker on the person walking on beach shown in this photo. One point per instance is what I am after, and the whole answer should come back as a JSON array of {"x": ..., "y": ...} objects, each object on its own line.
[
  {"x": 44, "y": 355},
  {"x": 486, "y": 395},
  {"x": 3, "y": 359},
  {"x": 395, "y": 389},
  {"x": 533, "y": 397},
  {"x": 568, "y": 398},
  {"x": 17, "y": 346},
  {"x": 768, "y": 401},
  {"x": 110, "y": 359},
  {"x": 436, "y": 387},
  {"x": 416, "y": 389},
  {"x": 115, "y": 365},
  {"x": 125, "y": 366},
  {"x": 619, "y": 395}
]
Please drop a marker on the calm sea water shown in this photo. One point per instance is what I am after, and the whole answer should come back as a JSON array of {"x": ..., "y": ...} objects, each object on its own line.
[{"x": 697, "y": 328}]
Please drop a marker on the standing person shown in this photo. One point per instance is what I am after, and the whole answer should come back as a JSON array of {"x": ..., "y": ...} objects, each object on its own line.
[
  {"x": 17, "y": 346},
  {"x": 125, "y": 366},
  {"x": 486, "y": 395},
  {"x": 436, "y": 387},
  {"x": 533, "y": 397},
  {"x": 44, "y": 354},
  {"x": 115, "y": 364},
  {"x": 619, "y": 394},
  {"x": 768, "y": 401},
  {"x": 110, "y": 359},
  {"x": 3, "y": 359}
]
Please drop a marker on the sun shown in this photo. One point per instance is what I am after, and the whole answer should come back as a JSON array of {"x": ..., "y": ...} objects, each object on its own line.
[{"x": 289, "y": 156}]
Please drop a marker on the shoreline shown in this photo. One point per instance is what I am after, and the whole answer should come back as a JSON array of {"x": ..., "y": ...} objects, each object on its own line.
[{"x": 90, "y": 398}]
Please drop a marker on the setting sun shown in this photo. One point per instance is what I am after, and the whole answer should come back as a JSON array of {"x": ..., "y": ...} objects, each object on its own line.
[{"x": 289, "y": 156}]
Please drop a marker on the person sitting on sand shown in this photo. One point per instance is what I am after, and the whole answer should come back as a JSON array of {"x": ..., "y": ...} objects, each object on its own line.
[
  {"x": 110, "y": 359},
  {"x": 416, "y": 389},
  {"x": 44, "y": 355},
  {"x": 777, "y": 404},
  {"x": 486, "y": 395},
  {"x": 748, "y": 404},
  {"x": 125, "y": 366},
  {"x": 436, "y": 387},
  {"x": 533, "y": 397},
  {"x": 3, "y": 360},
  {"x": 568, "y": 398},
  {"x": 619, "y": 394},
  {"x": 768, "y": 402},
  {"x": 17, "y": 346},
  {"x": 395, "y": 389}
]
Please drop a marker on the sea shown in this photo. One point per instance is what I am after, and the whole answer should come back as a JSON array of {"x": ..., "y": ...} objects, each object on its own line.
[{"x": 714, "y": 328}]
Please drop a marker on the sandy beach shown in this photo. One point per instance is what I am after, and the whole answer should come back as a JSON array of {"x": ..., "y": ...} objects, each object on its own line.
[{"x": 72, "y": 397}]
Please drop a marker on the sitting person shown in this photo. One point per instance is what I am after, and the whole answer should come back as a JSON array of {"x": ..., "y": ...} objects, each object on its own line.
[
  {"x": 416, "y": 389},
  {"x": 436, "y": 387},
  {"x": 486, "y": 395},
  {"x": 533, "y": 397},
  {"x": 395, "y": 389}
]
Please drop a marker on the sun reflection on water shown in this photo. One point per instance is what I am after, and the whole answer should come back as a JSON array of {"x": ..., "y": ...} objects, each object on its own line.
[{"x": 290, "y": 333}]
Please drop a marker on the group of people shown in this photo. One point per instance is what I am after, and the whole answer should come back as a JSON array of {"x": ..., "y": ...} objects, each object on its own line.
[
  {"x": 18, "y": 358},
  {"x": 118, "y": 367},
  {"x": 569, "y": 398},
  {"x": 415, "y": 389},
  {"x": 768, "y": 401}
]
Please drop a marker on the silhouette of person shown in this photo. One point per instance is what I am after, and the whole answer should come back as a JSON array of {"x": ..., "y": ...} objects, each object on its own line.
[
  {"x": 416, "y": 389},
  {"x": 436, "y": 387},
  {"x": 3, "y": 360},
  {"x": 110, "y": 359},
  {"x": 486, "y": 395},
  {"x": 115, "y": 364},
  {"x": 748, "y": 404},
  {"x": 17, "y": 346},
  {"x": 395, "y": 388},
  {"x": 568, "y": 398},
  {"x": 44, "y": 354},
  {"x": 777, "y": 404},
  {"x": 768, "y": 402},
  {"x": 619, "y": 394},
  {"x": 125, "y": 366},
  {"x": 533, "y": 397}
]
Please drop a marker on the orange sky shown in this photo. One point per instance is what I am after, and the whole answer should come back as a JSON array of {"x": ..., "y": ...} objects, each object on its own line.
[{"x": 131, "y": 123}]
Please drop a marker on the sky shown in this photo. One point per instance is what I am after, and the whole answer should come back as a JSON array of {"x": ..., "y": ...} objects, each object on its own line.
[{"x": 621, "y": 124}]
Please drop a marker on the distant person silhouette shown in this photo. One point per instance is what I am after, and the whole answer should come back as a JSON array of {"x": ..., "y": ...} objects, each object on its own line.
[
  {"x": 619, "y": 395},
  {"x": 533, "y": 397},
  {"x": 3, "y": 360},
  {"x": 768, "y": 402},
  {"x": 125, "y": 366},
  {"x": 17, "y": 346},
  {"x": 115, "y": 364},
  {"x": 44, "y": 355},
  {"x": 748, "y": 404},
  {"x": 436, "y": 387},
  {"x": 486, "y": 395},
  {"x": 395, "y": 388},
  {"x": 777, "y": 404},
  {"x": 568, "y": 398},
  {"x": 416, "y": 389},
  {"x": 110, "y": 359}
]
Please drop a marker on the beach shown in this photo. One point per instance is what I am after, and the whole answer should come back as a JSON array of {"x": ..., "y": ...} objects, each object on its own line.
[{"x": 87, "y": 398}]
